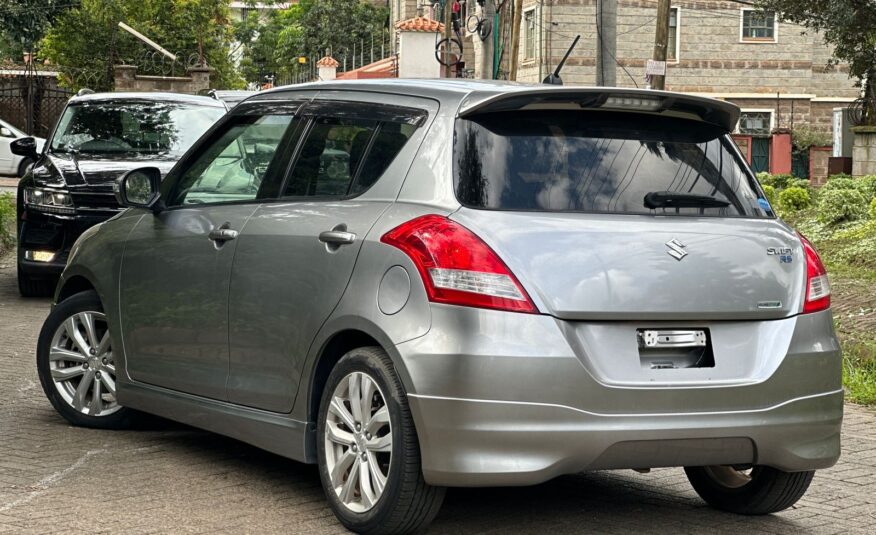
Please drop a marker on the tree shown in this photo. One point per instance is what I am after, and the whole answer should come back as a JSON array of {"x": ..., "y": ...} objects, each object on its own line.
[
  {"x": 848, "y": 25},
  {"x": 24, "y": 22},
  {"x": 86, "y": 41},
  {"x": 310, "y": 29}
]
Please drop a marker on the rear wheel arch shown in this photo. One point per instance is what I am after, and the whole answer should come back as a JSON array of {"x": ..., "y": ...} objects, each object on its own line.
[
  {"x": 333, "y": 349},
  {"x": 346, "y": 335}
]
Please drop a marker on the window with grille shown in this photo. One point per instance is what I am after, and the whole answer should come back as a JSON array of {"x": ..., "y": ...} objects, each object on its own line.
[
  {"x": 529, "y": 34},
  {"x": 755, "y": 123},
  {"x": 758, "y": 25},
  {"x": 672, "y": 44}
]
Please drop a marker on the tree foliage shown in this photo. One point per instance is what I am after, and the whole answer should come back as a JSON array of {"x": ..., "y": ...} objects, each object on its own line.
[
  {"x": 311, "y": 29},
  {"x": 86, "y": 41},
  {"x": 24, "y": 22},
  {"x": 848, "y": 25}
]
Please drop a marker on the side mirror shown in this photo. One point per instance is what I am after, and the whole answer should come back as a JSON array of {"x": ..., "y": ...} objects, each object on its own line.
[
  {"x": 5, "y": 132},
  {"x": 26, "y": 146},
  {"x": 139, "y": 188}
]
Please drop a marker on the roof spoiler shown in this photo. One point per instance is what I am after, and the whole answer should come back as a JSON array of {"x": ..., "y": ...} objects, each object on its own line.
[{"x": 716, "y": 112}]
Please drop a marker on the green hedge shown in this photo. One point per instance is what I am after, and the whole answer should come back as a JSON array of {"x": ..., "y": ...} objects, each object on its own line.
[
  {"x": 7, "y": 222},
  {"x": 794, "y": 198},
  {"x": 840, "y": 205}
]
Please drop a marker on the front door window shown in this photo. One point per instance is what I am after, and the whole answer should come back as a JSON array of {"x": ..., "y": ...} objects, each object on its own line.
[{"x": 235, "y": 165}]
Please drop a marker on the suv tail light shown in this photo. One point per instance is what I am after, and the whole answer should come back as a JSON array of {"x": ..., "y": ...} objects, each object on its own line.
[
  {"x": 457, "y": 267},
  {"x": 817, "y": 285}
]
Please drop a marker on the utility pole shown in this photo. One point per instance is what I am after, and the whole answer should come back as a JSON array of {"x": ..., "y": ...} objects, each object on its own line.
[
  {"x": 606, "y": 43},
  {"x": 661, "y": 42},
  {"x": 515, "y": 38},
  {"x": 484, "y": 68},
  {"x": 448, "y": 34}
]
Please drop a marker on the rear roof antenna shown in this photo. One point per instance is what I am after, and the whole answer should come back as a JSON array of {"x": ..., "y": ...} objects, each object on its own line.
[{"x": 554, "y": 77}]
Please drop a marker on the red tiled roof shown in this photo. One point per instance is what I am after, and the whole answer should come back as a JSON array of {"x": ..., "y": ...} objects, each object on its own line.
[
  {"x": 420, "y": 24},
  {"x": 328, "y": 61},
  {"x": 384, "y": 68}
]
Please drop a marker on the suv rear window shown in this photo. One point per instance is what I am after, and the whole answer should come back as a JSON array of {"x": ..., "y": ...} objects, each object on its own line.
[{"x": 602, "y": 162}]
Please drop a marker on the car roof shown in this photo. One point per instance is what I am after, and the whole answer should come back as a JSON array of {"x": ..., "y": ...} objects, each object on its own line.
[
  {"x": 490, "y": 95},
  {"x": 157, "y": 97}
]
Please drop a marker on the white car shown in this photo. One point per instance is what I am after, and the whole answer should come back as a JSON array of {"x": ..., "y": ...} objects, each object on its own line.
[{"x": 10, "y": 164}]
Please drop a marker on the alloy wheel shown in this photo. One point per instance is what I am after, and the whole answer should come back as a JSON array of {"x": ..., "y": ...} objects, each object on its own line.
[
  {"x": 82, "y": 366},
  {"x": 358, "y": 442}
]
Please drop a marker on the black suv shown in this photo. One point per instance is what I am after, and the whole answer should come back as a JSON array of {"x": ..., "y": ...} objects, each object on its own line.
[{"x": 70, "y": 187}]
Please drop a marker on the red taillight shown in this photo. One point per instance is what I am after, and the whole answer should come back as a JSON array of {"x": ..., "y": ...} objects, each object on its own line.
[
  {"x": 457, "y": 267},
  {"x": 817, "y": 285}
]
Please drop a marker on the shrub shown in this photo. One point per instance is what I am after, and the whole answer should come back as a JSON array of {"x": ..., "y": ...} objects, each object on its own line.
[
  {"x": 840, "y": 183},
  {"x": 7, "y": 221},
  {"x": 770, "y": 193},
  {"x": 794, "y": 198},
  {"x": 867, "y": 186},
  {"x": 839, "y": 175},
  {"x": 778, "y": 181},
  {"x": 840, "y": 205},
  {"x": 872, "y": 211},
  {"x": 799, "y": 183}
]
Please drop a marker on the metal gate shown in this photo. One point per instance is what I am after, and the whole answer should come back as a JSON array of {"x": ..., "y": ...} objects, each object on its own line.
[
  {"x": 32, "y": 100},
  {"x": 760, "y": 154},
  {"x": 800, "y": 164}
]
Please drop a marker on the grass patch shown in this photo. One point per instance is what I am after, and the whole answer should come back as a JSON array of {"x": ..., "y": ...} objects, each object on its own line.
[
  {"x": 848, "y": 249},
  {"x": 7, "y": 222},
  {"x": 859, "y": 371}
]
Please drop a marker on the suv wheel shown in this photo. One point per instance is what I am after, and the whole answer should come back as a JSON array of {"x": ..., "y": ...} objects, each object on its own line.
[
  {"x": 31, "y": 287},
  {"x": 757, "y": 491},
  {"x": 369, "y": 456},
  {"x": 76, "y": 366}
]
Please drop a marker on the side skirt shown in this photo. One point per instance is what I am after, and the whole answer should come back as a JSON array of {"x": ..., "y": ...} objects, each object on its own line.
[{"x": 277, "y": 433}]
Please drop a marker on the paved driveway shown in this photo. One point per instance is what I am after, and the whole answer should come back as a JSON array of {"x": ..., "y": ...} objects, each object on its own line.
[{"x": 167, "y": 478}]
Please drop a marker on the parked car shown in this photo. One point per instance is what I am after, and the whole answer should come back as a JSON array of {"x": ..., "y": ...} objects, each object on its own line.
[
  {"x": 507, "y": 283},
  {"x": 231, "y": 97},
  {"x": 11, "y": 164},
  {"x": 98, "y": 137}
]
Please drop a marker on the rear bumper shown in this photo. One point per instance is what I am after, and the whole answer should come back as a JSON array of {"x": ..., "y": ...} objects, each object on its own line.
[
  {"x": 515, "y": 399},
  {"x": 487, "y": 443}
]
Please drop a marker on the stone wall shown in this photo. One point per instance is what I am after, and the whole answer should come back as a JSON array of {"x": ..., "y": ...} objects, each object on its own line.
[
  {"x": 125, "y": 78},
  {"x": 864, "y": 151},
  {"x": 818, "y": 160}
]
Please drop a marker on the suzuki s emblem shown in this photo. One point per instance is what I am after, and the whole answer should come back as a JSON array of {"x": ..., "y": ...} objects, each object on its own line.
[{"x": 676, "y": 249}]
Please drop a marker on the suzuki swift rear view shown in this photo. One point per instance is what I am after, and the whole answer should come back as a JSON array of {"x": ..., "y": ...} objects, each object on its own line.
[{"x": 422, "y": 285}]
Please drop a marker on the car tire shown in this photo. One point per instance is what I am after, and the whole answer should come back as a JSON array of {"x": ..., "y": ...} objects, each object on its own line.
[
  {"x": 24, "y": 167},
  {"x": 79, "y": 382},
  {"x": 406, "y": 503},
  {"x": 761, "y": 491},
  {"x": 32, "y": 287}
]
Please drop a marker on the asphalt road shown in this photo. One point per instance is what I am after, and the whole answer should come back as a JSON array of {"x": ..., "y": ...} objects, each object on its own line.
[{"x": 168, "y": 478}]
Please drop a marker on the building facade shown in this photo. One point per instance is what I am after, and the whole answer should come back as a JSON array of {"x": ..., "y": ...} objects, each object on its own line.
[{"x": 778, "y": 73}]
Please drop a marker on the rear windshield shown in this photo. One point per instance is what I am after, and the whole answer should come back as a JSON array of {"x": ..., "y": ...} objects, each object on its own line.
[{"x": 602, "y": 162}]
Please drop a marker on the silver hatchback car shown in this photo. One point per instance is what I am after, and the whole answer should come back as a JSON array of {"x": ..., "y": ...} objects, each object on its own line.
[{"x": 427, "y": 284}]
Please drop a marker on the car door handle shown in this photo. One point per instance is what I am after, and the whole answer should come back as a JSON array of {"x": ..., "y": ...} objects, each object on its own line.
[
  {"x": 222, "y": 234},
  {"x": 337, "y": 237}
]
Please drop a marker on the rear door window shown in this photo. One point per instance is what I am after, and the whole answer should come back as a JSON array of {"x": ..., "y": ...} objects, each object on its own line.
[
  {"x": 344, "y": 156},
  {"x": 602, "y": 162}
]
